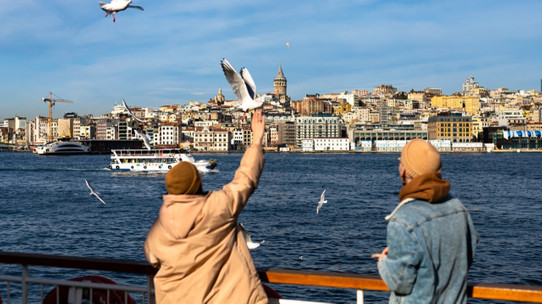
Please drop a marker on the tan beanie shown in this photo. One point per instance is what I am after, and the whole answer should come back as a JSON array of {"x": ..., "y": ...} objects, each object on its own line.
[
  {"x": 183, "y": 179},
  {"x": 420, "y": 157}
]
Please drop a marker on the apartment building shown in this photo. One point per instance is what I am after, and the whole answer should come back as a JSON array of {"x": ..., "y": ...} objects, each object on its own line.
[
  {"x": 212, "y": 139},
  {"x": 455, "y": 127},
  {"x": 468, "y": 104},
  {"x": 169, "y": 134},
  {"x": 310, "y": 127}
]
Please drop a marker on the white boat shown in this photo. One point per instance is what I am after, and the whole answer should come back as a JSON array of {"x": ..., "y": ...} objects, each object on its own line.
[
  {"x": 62, "y": 148},
  {"x": 142, "y": 160}
]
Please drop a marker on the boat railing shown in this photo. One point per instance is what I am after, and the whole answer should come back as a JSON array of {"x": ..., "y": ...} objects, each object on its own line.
[{"x": 23, "y": 287}]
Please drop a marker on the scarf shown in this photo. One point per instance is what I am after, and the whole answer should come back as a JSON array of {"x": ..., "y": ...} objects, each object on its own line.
[{"x": 429, "y": 187}]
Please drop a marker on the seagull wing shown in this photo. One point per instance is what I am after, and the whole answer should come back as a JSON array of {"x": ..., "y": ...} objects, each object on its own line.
[
  {"x": 88, "y": 185},
  {"x": 237, "y": 83},
  {"x": 130, "y": 112},
  {"x": 323, "y": 195},
  {"x": 136, "y": 6},
  {"x": 104, "y": 6},
  {"x": 245, "y": 233},
  {"x": 100, "y": 198},
  {"x": 249, "y": 82}
]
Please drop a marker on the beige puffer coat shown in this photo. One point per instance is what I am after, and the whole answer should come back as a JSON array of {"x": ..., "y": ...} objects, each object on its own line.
[{"x": 202, "y": 255}]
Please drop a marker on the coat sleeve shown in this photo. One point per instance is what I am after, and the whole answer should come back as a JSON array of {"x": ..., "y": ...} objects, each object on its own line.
[
  {"x": 399, "y": 268},
  {"x": 245, "y": 180}
]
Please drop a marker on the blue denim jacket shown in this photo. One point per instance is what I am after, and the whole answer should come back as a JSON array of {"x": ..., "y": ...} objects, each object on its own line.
[{"x": 431, "y": 247}]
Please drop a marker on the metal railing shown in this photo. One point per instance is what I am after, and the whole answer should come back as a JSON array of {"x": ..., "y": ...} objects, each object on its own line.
[{"x": 358, "y": 282}]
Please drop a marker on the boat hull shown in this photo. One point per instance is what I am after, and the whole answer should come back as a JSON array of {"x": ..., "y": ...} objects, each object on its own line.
[{"x": 138, "y": 160}]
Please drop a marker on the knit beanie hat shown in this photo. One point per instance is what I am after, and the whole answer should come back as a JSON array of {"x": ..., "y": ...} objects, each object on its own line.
[
  {"x": 183, "y": 179},
  {"x": 420, "y": 157}
]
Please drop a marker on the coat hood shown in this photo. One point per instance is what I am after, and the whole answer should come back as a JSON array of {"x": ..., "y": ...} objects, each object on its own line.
[{"x": 178, "y": 213}]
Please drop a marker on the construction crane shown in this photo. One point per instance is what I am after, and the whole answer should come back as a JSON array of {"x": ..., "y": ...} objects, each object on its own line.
[{"x": 51, "y": 104}]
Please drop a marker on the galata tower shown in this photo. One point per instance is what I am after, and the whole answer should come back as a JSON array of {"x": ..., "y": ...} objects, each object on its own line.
[{"x": 280, "y": 83}]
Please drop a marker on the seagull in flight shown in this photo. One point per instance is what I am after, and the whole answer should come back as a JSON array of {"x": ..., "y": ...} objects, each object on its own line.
[
  {"x": 130, "y": 112},
  {"x": 145, "y": 137},
  {"x": 92, "y": 192},
  {"x": 116, "y": 6},
  {"x": 248, "y": 239},
  {"x": 243, "y": 86},
  {"x": 321, "y": 202}
]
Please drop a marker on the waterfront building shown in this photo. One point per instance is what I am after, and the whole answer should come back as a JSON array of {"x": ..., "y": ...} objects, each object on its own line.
[
  {"x": 331, "y": 144},
  {"x": 212, "y": 139},
  {"x": 106, "y": 129},
  {"x": 452, "y": 126},
  {"x": 286, "y": 133},
  {"x": 468, "y": 104},
  {"x": 169, "y": 134},
  {"x": 357, "y": 134},
  {"x": 310, "y": 127}
]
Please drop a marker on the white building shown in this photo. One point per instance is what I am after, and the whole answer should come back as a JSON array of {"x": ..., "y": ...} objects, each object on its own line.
[
  {"x": 331, "y": 144},
  {"x": 310, "y": 127},
  {"x": 507, "y": 115},
  {"x": 307, "y": 145},
  {"x": 169, "y": 134}
]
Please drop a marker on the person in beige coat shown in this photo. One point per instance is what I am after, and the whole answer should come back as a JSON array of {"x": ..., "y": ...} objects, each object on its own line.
[{"x": 196, "y": 243}]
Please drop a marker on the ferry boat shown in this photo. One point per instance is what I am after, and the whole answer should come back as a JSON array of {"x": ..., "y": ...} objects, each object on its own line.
[
  {"x": 62, "y": 148},
  {"x": 142, "y": 160}
]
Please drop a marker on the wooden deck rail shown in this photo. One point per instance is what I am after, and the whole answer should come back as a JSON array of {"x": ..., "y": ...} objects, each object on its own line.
[{"x": 518, "y": 293}]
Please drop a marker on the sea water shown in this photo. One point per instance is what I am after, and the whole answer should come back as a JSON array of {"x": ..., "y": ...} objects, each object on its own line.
[{"x": 46, "y": 208}]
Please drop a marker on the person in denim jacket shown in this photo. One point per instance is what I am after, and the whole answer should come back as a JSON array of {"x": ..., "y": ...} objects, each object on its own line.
[{"x": 430, "y": 235}]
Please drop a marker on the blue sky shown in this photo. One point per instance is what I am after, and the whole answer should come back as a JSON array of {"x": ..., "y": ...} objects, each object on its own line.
[{"x": 170, "y": 53}]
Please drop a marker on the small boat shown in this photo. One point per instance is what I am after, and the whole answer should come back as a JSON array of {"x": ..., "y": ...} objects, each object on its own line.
[
  {"x": 143, "y": 160},
  {"x": 62, "y": 148}
]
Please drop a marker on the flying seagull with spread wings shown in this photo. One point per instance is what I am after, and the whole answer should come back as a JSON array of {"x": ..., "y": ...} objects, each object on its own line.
[
  {"x": 321, "y": 202},
  {"x": 243, "y": 86},
  {"x": 116, "y": 6},
  {"x": 92, "y": 192},
  {"x": 130, "y": 112}
]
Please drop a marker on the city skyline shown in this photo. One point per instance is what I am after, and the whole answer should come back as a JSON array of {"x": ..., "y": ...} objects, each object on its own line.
[{"x": 170, "y": 53}]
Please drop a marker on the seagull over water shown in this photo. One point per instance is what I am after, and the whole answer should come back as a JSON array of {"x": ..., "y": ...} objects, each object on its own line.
[
  {"x": 243, "y": 86},
  {"x": 145, "y": 137},
  {"x": 130, "y": 112},
  {"x": 116, "y": 6},
  {"x": 248, "y": 239},
  {"x": 92, "y": 192},
  {"x": 321, "y": 202}
]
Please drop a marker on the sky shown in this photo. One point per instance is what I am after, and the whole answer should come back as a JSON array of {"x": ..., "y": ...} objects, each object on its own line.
[{"x": 170, "y": 53}]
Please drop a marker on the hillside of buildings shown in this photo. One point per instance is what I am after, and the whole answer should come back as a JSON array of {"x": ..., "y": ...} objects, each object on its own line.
[{"x": 360, "y": 120}]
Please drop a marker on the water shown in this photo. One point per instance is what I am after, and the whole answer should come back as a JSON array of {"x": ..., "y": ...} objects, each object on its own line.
[{"x": 45, "y": 208}]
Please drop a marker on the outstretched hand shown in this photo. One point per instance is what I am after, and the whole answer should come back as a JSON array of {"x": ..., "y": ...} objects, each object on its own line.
[{"x": 258, "y": 127}]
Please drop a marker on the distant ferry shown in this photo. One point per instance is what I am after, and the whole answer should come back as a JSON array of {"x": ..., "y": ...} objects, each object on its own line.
[
  {"x": 142, "y": 160},
  {"x": 62, "y": 148}
]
